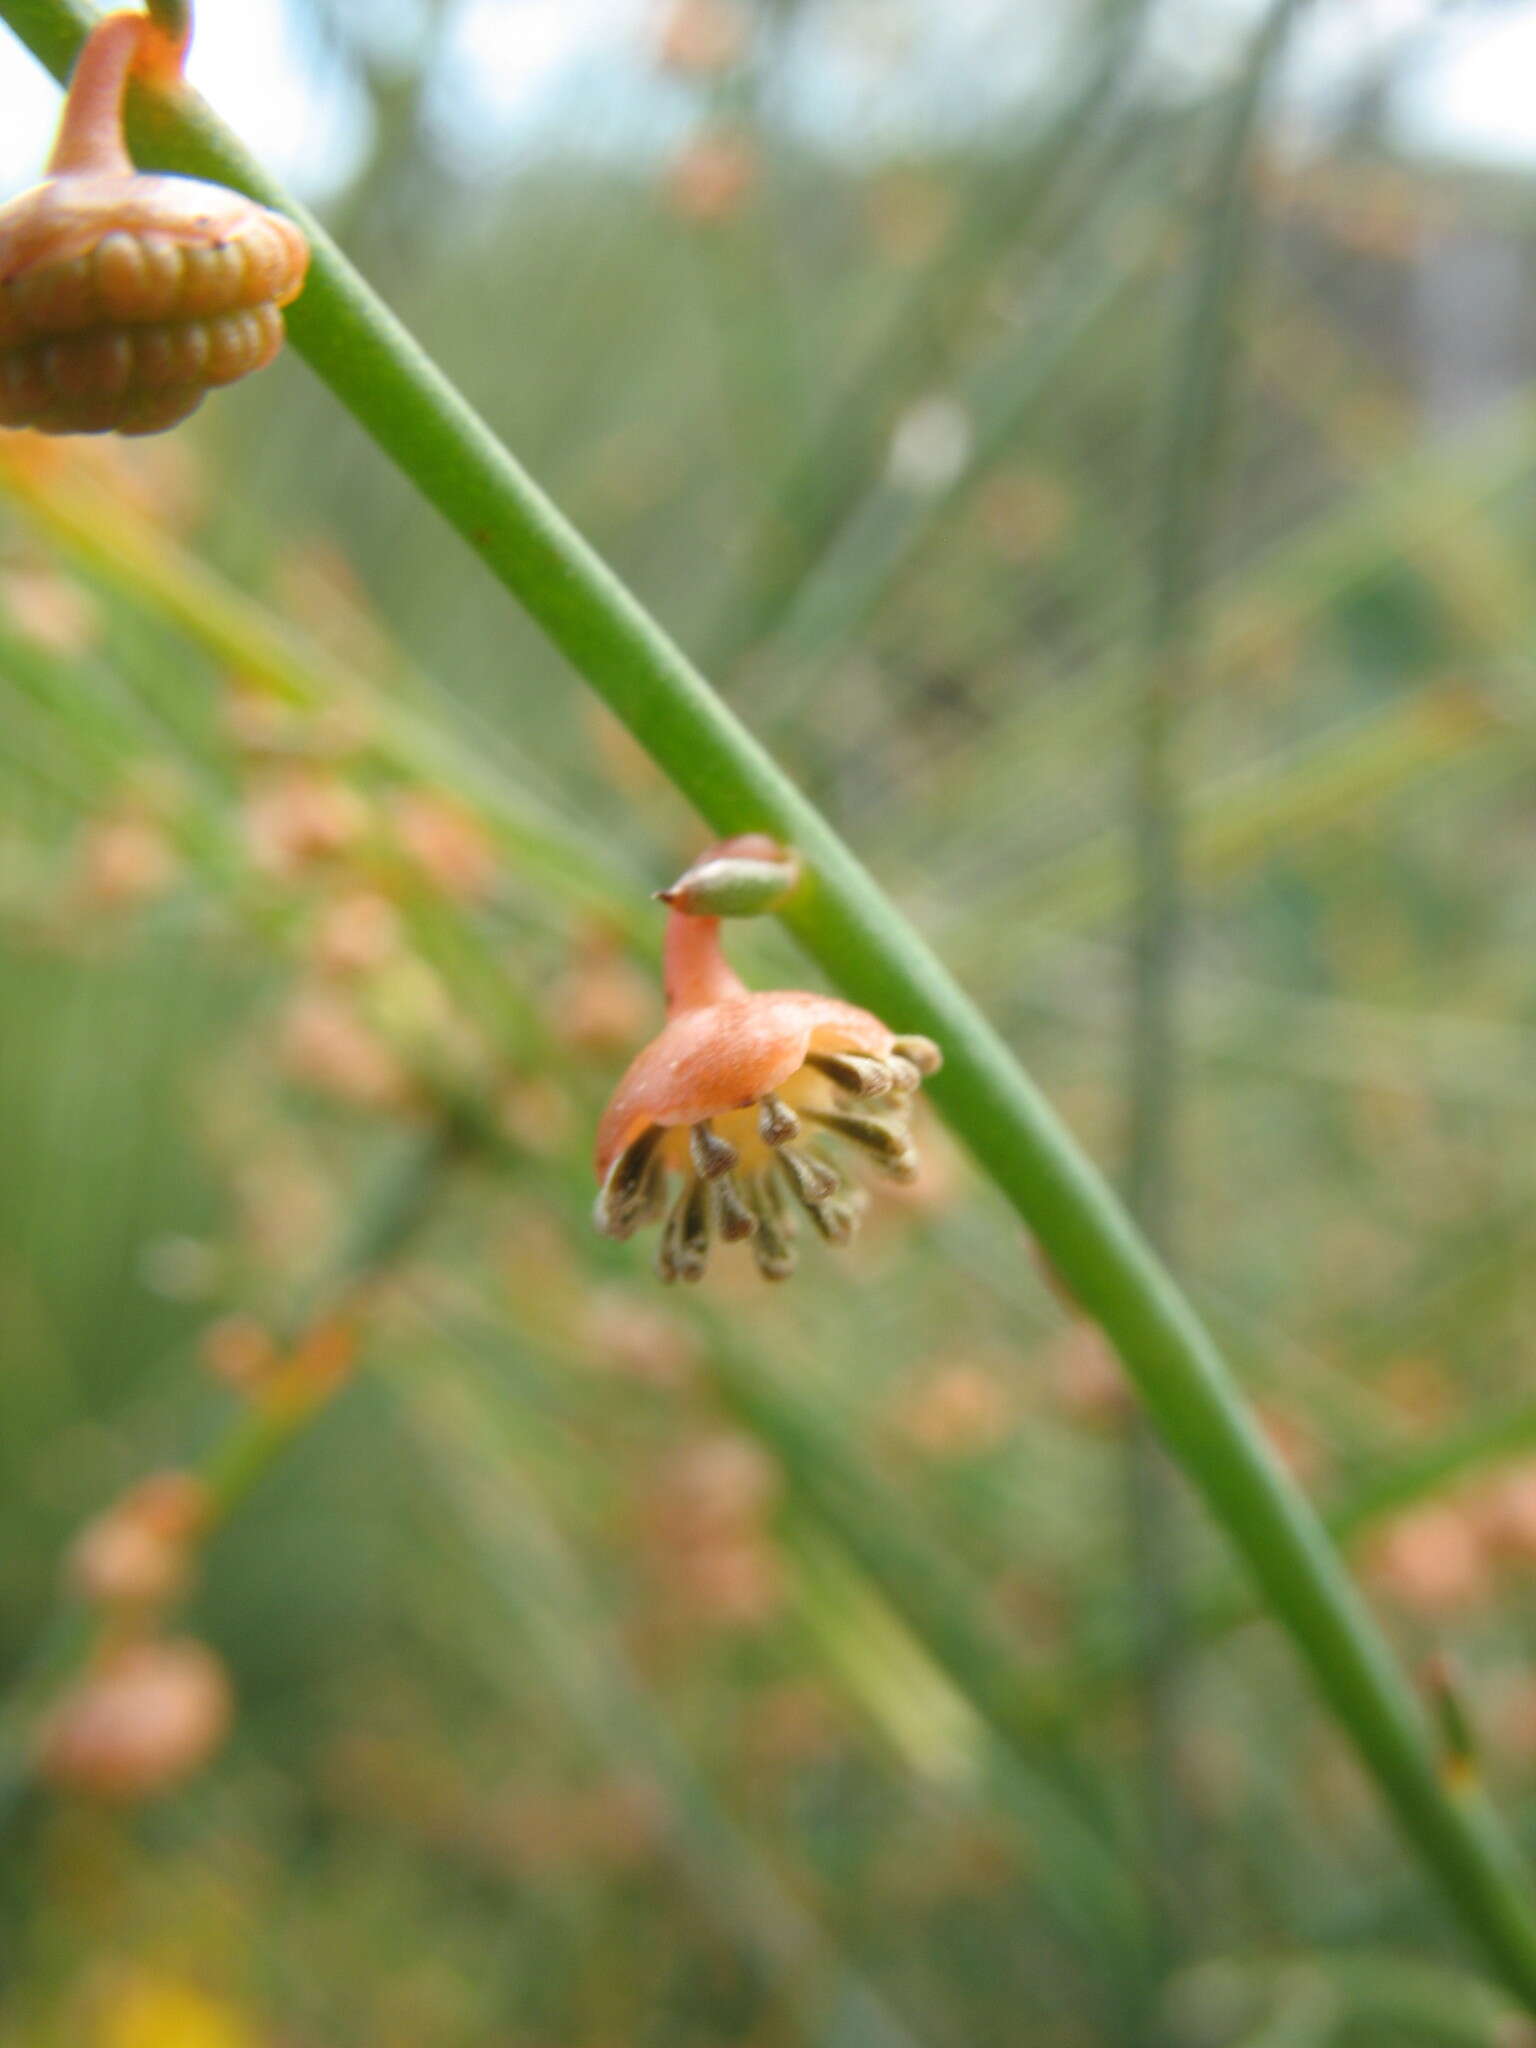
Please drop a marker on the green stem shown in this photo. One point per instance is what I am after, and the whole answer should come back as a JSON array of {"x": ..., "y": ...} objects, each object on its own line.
[
  {"x": 412, "y": 411},
  {"x": 828, "y": 473}
]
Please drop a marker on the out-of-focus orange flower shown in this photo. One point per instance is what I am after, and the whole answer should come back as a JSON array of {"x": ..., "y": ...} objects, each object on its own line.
[
  {"x": 1087, "y": 1379},
  {"x": 956, "y": 1410},
  {"x": 535, "y": 1113},
  {"x": 449, "y": 844},
  {"x": 124, "y": 860},
  {"x": 301, "y": 817},
  {"x": 707, "y": 1525},
  {"x": 239, "y": 1350},
  {"x": 1433, "y": 1560},
  {"x": 709, "y": 181},
  {"x": 142, "y": 1722},
  {"x": 356, "y": 933},
  {"x": 137, "y": 1553},
  {"x": 603, "y": 1002},
  {"x": 702, "y": 38},
  {"x": 622, "y": 1333},
  {"x": 50, "y": 610},
  {"x": 1294, "y": 1443},
  {"x": 1508, "y": 1515},
  {"x": 717, "y": 1488},
  {"x": 324, "y": 1044},
  {"x": 734, "y": 1096}
]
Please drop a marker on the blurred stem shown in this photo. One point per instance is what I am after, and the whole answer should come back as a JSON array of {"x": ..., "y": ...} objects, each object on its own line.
[
  {"x": 562, "y": 1638},
  {"x": 140, "y": 560},
  {"x": 321, "y": 1328},
  {"x": 403, "y": 400},
  {"x": 1200, "y": 357},
  {"x": 827, "y": 475}
]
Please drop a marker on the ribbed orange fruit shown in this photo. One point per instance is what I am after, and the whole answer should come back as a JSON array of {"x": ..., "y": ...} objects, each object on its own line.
[{"x": 126, "y": 297}]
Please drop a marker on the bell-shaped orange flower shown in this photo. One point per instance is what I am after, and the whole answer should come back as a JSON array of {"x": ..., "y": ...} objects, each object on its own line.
[{"x": 740, "y": 1091}]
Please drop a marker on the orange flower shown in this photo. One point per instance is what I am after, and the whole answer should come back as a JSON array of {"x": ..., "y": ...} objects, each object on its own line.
[
  {"x": 739, "y": 1090},
  {"x": 145, "y": 1719}
]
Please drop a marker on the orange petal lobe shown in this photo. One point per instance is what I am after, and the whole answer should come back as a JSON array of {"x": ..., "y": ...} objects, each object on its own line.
[{"x": 726, "y": 1056}]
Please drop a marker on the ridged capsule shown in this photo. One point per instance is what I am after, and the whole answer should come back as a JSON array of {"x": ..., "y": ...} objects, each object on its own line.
[{"x": 126, "y": 297}]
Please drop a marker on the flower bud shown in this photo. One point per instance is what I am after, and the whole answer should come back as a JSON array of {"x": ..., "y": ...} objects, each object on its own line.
[{"x": 739, "y": 878}]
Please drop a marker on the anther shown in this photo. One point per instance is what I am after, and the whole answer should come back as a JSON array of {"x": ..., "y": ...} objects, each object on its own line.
[
  {"x": 852, "y": 1072},
  {"x": 837, "y": 1220},
  {"x": 774, "y": 1253},
  {"x": 684, "y": 1249},
  {"x": 884, "y": 1141},
  {"x": 777, "y": 1123},
  {"x": 734, "y": 1218},
  {"x": 633, "y": 1190},
  {"x": 711, "y": 1155},
  {"x": 922, "y": 1052},
  {"x": 812, "y": 1179}
]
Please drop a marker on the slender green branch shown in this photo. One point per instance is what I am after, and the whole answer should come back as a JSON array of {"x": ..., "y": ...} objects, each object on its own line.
[{"x": 407, "y": 405}]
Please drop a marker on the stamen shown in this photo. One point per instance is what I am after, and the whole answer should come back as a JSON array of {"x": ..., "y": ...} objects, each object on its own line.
[
  {"x": 885, "y": 1140},
  {"x": 770, "y": 1205},
  {"x": 633, "y": 1191},
  {"x": 735, "y": 1219},
  {"x": 712, "y": 1155},
  {"x": 852, "y": 1072},
  {"x": 812, "y": 1179},
  {"x": 772, "y": 1242},
  {"x": 777, "y": 1123},
  {"x": 684, "y": 1249},
  {"x": 922, "y": 1052},
  {"x": 774, "y": 1253},
  {"x": 838, "y": 1219}
]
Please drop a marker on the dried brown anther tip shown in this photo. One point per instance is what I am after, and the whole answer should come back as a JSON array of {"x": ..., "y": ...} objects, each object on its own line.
[
  {"x": 853, "y": 1073},
  {"x": 777, "y": 1123},
  {"x": 712, "y": 1155}
]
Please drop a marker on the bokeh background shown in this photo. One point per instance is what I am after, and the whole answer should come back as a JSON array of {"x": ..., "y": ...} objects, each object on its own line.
[{"x": 835, "y": 1663}]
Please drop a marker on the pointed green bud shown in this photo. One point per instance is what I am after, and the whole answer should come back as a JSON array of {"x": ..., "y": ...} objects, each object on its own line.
[{"x": 728, "y": 883}]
